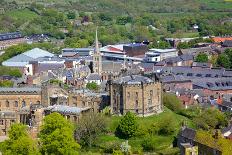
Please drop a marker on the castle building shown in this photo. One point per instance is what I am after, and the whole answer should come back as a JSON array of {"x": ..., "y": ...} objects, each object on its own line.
[
  {"x": 135, "y": 93},
  {"x": 97, "y": 58}
]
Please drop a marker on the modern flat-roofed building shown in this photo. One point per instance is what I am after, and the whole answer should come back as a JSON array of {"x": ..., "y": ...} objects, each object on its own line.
[{"x": 156, "y": 55}]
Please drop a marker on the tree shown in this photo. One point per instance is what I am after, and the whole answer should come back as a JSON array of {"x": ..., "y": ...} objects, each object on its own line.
[
  {"x": 127, "y": 127},
  {"x": 89, "y": 128},
  {"x": 56, "y": 136},
  {"x": 172, "y": 102},
  {"x": 92, "y": 86},
  {"x": 210, "y": 119},
  {"x": 71, "y": 15},
  {"x": 19, "y": 142},
  {"x": 202, "y": 57},
  {"x": 6, "y": 83},
  {"x": 224, "y": 61}
]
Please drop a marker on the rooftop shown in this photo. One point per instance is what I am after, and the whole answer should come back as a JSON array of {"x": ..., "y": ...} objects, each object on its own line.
[
  {"x": 24, "y": 58},
  {"x": 133, "y": 79},
  {"x": 163, "y": 50},
  {"x": 63, "y": 109}
]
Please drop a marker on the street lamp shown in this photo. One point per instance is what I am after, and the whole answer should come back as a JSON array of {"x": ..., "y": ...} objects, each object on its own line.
[{"x": 4, "y": 116}]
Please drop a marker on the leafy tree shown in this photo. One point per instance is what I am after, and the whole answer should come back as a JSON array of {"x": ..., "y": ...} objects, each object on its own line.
[
  {"x": 224, "y": 61},
  {"x": 92, "y": 86},
  {"x": 202, "y": 57},
  {"x": 127, "y": 127},
  {"x": 159, "y": 44},
  {"x": 89, "y": 128},
  {"x": 6, "y": 83},
  {"x": 19, "y": 142},
  {"x": 123, "y": 20},
  {"x": 56, "y": 136},
  {"x": 210, "y": 119},
  {"x": 71, "y": 15},
  {"x": 149, "y": 144},
  {"x": 172, "y": 102}
]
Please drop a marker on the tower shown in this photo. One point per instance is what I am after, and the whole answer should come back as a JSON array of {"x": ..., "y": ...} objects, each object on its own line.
[{"x": 97, "y": 58}]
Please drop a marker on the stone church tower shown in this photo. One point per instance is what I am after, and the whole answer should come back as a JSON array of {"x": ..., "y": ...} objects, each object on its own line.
[{"x": 97, "y": 58}]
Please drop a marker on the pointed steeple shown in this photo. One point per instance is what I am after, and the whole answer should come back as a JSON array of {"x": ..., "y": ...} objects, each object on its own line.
[
  {"x": 96, "y": 43},
  {"x": 97, "y": 58}
]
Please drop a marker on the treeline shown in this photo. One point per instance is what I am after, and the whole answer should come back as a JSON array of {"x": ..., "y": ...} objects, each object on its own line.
[
  {"x": 113, "y": 27},
  {"x": 21, "y": 48}
]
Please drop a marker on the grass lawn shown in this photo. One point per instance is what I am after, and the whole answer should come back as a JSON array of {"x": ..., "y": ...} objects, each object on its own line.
[
  {"x": 162, "y": 142},
  {"x": 22, "y": 14}
]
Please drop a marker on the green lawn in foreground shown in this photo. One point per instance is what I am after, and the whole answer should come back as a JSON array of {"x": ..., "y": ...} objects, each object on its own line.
[{"x": 162, "y": 142}]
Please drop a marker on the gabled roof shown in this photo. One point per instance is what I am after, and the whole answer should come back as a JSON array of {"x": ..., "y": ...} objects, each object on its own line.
[
  {"x": 227, "y": 43},
  {"x": 93, "y": 77},
  {"x": 188, "y": 133},
  {"x": 24, "y": 58},
  {"x": 133, "y": 79},
  {"x": 221, "y": 39}
]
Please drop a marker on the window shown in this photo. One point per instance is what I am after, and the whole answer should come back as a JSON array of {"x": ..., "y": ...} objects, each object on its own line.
[
  {"x": 1, "y": 122},
  {"x": 7, "y": 103},
  {"x": 151, "y": 93},
  {"x": 136, "y": 95},
  {"x": 75, "y": 118},
  {"x": 83, "y": 103},
  {"x": 128, "y": 95},
  {"x": 37, "y": 102},
  {"x": 136, "y": 104},
  {"x": 16, "y": 104},
  {"x": 23, "y": 103}
]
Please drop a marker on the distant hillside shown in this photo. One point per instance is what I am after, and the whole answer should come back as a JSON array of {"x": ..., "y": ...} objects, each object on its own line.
[{"x": 134, "y": 6}]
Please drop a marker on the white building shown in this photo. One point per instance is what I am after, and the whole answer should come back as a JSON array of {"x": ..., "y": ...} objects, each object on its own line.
[{"x": 156, "y": 55}]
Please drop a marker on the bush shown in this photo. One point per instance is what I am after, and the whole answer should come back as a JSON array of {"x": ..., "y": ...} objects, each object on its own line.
[
  {"x": 170, "y": 151},
  {"x": 109, "y": 147},
  {"x": 127, "y": 127},
  {"x": 149, "y": 144},
  {"x": 172, "y": 102}
]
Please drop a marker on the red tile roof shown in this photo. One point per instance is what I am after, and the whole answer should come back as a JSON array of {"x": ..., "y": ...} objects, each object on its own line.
[{"x": 221, "y": 39}]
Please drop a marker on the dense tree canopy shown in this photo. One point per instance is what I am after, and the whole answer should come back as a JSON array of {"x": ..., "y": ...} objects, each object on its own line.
[
  {"x": 19, "y": 142},
  {"x": 202, "y": 57},
  {"x": 56, "y": 136},
  {"x": 127, "y": 127},
  {"x": 89, "y": 128}
]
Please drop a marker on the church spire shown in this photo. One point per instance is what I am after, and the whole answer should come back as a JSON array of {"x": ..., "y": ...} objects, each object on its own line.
[
  {"x": 97, "y": 58},
  {"x": 96, "y": 43}
]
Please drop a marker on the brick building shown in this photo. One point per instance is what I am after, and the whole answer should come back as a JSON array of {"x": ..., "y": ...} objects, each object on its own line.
[{"x": 135, "y": 93}]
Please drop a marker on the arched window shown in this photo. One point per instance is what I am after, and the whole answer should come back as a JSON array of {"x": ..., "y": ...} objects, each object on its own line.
[
  {"x": 83, "y": 103},
  {"x": 7, "y": 103},
  {"x": 37, "y": 102},
  {"x": 16, "y": 104},
  {"x": 23, "y": 103}
]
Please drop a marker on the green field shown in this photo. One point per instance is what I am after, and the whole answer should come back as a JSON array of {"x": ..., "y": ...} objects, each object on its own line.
[
  {"x": 22, "y": 14},
  {"x": 162, "y": 142}
]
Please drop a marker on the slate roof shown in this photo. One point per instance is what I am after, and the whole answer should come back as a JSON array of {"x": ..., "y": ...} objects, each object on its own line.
[
  {"x": 8, "y": 36},
  {"x": 63, "y": 109},
  {"x": 24, "y": 58},
  {"x": 111, "y": 66},
  {"x": 133, "y": 79},
  {"x": 93, "y": 77},
  {"x": 213, "y": 83},
  {"x": 191, "y": 73},
  {"x": 20, "y": 89},
  {"x": 227, "y": 43},
  {"x": 201, "y": 64},
  {"x": 188, "y": 133}
]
